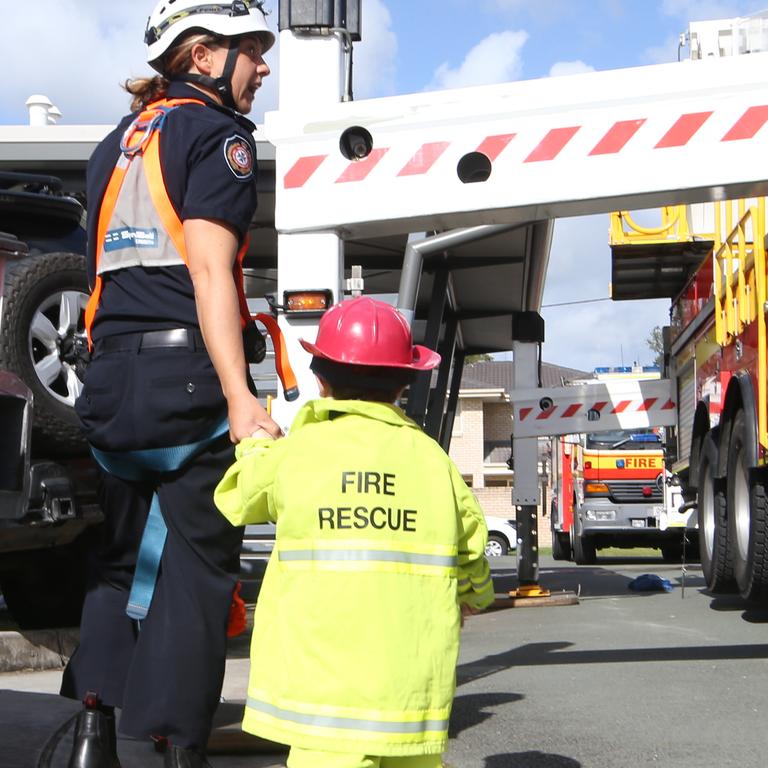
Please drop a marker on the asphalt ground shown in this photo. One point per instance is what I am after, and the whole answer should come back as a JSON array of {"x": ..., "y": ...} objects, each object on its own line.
[{"x": 622, "y": 679}]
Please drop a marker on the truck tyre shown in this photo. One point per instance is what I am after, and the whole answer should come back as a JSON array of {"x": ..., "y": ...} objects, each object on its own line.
[
  {"x": 672, "y": 551},
  {"x": 561, "y": 546},
  {"x": 747, "y": 518},
  {"x": 497, "y": 546},
  {"x": 584, "y": 550},
  {"x": 715, "y": 549},
  {"x": 42, "y": 333},
  {"x": 47, "y": 590}
]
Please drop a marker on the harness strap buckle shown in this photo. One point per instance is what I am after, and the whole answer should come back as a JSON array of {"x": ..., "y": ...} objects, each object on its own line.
[{"x": 145, "y": 124}]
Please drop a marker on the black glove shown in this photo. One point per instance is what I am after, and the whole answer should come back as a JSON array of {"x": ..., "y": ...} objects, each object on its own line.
[{"x": 254, "y": 344}]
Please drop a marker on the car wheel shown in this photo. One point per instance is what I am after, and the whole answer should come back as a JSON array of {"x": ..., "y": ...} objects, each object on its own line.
[
  {"x": 42, "y": 340},
  {"x": 497, "y": 546}
]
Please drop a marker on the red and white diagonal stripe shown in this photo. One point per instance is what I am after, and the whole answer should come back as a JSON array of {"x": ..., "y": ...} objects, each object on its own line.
[{"x": 617, "y": 137}]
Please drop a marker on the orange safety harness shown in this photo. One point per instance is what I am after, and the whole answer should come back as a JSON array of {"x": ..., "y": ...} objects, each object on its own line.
[{"x": 142, "y": 138}]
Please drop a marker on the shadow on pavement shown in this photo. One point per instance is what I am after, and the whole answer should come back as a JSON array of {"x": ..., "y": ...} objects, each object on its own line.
[
  {"x": 543, "y": 654},
  {"x": 472, "y": 709},
  {"x": 589, "y": 581},
  {"x": 733, "y": 603},
  {"x": 36, "y": 731},
  {"x": 31, "y": 724},
  {"x": 600, "y": 580},
  {"x": 530, "y": 760}
]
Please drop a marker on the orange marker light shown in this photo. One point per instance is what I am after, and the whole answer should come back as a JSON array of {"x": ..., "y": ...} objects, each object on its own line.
[{"x": 306, "y": 302}]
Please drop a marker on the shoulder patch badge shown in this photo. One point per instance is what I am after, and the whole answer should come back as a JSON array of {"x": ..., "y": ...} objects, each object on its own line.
[{"x": 239, "y": 157}]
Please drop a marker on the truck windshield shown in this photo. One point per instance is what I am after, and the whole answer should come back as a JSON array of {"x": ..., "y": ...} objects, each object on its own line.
[{"x": 629, "y": 440}]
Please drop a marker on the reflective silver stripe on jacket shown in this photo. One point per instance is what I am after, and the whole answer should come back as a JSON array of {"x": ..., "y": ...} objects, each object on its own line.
[
  {"x": 367, "y": 555},
  {"x": 350, "y": 723},
  {"x": 478, "y": 585}
]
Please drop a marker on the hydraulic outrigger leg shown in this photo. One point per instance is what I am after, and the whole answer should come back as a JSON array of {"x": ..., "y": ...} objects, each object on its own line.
[
  {"x": 528, "y": 554},
  {"x": 528, "y": 334}
]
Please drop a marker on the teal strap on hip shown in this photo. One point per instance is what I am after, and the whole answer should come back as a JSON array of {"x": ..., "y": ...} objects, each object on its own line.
[{"x": 146, "y": 465}]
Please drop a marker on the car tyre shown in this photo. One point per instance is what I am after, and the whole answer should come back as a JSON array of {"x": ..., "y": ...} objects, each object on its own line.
[
  {"x": 42, "y": 337},
  {"x": 497, "y": 546}
]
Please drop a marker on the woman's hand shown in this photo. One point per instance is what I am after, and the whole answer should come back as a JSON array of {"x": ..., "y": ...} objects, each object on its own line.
[
  {"x": 249, "y": 418},
  {"x": 211, "y": 251}
]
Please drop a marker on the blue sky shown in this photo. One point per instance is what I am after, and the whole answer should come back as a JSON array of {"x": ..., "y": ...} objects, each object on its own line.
[{"x": 78, "y": 51}]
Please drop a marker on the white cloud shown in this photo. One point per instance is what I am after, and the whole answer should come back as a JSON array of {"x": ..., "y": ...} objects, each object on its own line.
[
  {"x": 376, "y": 54},
  {"x": 495, "y": 59},
  {"x": 78, "y": 52},
  {"x": 593, "y": 333},
  {"x": 569, "y": 68}
]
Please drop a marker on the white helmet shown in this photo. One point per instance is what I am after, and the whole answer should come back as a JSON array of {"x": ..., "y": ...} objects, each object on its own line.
[{"x": 172, "y": 18}]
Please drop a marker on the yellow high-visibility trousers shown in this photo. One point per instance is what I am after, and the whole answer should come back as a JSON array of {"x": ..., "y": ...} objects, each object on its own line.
[{"x": 309, "y": 758}]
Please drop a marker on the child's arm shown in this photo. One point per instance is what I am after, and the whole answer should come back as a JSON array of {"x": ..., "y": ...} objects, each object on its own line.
[
  {"x": 243, "y": 494},
  {"x": 475, "y": 584}
]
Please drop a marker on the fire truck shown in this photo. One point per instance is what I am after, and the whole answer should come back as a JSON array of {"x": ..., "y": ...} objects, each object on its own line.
[
  {"x": 445, "y": 200},
  {"x": 715, "y": 355},
  {"x": 612, "y": 489}
]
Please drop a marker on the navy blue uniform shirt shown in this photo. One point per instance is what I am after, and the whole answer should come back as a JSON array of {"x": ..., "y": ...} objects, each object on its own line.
[{"x": 203, "y": 182}]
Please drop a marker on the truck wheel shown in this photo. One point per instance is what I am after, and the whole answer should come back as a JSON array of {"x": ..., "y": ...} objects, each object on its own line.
[
  {"x": 672, "y": 551},
  {"x": 584, "y": 550},
  {"x": 48, "y": 589},
  {"x": 497, "y": 546},
  {"x": 747, "y": 519},
  {"x": 715, "y": 549},
  {"x": 561, "y": 546},
  {"x": 42, "y": 330}
]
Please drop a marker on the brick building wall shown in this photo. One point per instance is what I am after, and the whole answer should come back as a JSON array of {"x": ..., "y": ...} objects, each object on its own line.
[
  {"x": 467, "y": 441},
  {"x": 497, "y": 425}
]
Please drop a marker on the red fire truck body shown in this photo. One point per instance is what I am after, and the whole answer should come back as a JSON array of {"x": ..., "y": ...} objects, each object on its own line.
[
  {"x": 717, "y": 356},
  {"x": 713, "y": 255}
]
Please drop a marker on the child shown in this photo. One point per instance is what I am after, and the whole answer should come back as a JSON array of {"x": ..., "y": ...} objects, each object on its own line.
[{"x": 379, "y": 554}]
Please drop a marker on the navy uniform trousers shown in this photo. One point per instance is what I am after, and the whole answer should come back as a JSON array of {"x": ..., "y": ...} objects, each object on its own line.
[{"x": 166, "y": 673}]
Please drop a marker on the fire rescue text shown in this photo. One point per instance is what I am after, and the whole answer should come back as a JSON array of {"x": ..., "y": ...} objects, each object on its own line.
[{"x": 378, "y": 517}]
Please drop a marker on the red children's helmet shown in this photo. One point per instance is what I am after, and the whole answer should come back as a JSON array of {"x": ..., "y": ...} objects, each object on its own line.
[{"x": 364, "y": 331}]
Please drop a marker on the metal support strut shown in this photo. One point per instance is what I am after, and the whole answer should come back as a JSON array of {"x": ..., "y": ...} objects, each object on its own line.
[{"x": 528, "y": 334}]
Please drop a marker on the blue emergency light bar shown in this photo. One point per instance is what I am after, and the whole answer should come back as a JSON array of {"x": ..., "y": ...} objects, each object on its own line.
[{"x": 628, "y": 369}]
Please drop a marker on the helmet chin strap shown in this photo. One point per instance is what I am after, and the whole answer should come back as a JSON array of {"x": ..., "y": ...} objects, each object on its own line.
[{"x": 221, "y": 85}]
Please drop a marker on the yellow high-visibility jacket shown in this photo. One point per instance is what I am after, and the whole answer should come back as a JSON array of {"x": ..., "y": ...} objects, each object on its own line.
[{"x": 356, "y": 630}]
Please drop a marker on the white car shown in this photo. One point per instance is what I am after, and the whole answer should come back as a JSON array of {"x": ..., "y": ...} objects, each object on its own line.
[{"x": 502, "y": 536}]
